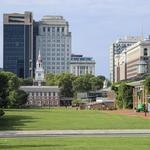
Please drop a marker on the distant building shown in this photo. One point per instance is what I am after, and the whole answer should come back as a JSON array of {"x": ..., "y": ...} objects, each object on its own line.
[
  {"x": 82, "y": 65},
  {"x": 40, "y": 95},
  {"x": 39, "y": 72},
  {"x": 1, "y": 69},
  {"x": 18, "y": 44},
  {"x": 116, "y": 48},
  {"x": 54, "y": 42},
  {"x": 134, "y": 61}
]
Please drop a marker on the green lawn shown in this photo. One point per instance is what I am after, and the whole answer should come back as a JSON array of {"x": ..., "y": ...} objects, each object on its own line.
[
  {"x": 109, "y": 143},
  {"x": 42, "y": 119}
]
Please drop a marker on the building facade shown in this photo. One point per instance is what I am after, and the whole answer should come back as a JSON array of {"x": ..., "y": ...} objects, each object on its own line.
[
  {"x": 39, "y": 94},
  {"x": 116, "y": 48},
  {"x": 42, "y": 95},
  {"x": 133, "y": 61},
  {"x": 54, "y": 42},
  {"x": 82, "y": 65},
  {"x": 18, "y": 44}
]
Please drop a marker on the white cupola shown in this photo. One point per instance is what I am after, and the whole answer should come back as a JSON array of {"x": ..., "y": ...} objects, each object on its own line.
[{"x": 39, "y": 71}]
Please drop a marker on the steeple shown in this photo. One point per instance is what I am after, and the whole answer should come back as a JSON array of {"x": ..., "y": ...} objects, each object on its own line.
[
  {"x": 39, "y": 56},
  {"x": 39, "y": 61},
  {"x": 39, "y": 71}
]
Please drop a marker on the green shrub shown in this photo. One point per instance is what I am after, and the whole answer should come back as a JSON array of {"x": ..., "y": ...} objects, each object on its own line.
[{"x": 1, "y": 112}]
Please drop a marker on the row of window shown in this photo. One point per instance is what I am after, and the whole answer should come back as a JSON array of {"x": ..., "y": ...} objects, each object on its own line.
[
  {"x": 53, "y": 45},
  {"x": 53, "y": 50},
  {"x": 57, "y": 68},
  {"x": 43, "y": 94},
  {"x": 55, "y": 54},
  {"x": 56, "y": 58},
  {"x": 55, "y": 63},
  {"x": 81, "y": 59},
  {"x": 53, "y": 29}
]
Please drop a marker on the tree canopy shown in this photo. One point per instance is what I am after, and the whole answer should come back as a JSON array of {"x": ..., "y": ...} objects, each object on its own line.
[
  {"x": 9, "y": 90},
  {"x": 70, "y": 84},
  {"x": 124, "y": 97}
]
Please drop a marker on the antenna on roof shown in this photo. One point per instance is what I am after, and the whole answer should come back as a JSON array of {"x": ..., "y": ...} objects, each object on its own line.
[{"x": 142, "y": 34}]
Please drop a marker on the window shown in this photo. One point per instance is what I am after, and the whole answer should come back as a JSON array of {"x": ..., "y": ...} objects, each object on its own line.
[
  {"x": 57, "y": 29},
  {"x": 43, "y": 29},
  {"x": 39, "y": 74},
  {"x": 48, "y": 29},
  {"x": 62, "y": 29},
  {"x": 53, "y": 29},
  {"x": 145, "y": 52},
  {"x": 40, "y": 93}
]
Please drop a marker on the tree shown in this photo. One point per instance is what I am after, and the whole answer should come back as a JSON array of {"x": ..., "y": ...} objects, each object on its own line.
[
  {"x": 3, "y": 89},
  {"x": 77, "y": 102},
  {"x": 101, "y": 77},
  {"x": 1, "y": 112},
  {"x": 8, "y": 83},
  {"x": 124, "y": 98},
  {"x": 82, "y": 83},
  {"x": 96, "y": 83},
  {"x": 50, "y": 79},
  {"x": 26, "y": 82},
  {"x": 17, "y": 98},
  {"x": 65, "y": 83},
  {"x": 147, "y": 86},
  {"x": 13, "y": 82}
]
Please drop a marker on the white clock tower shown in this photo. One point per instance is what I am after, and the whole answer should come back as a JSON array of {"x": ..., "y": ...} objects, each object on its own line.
[{"x": 39, "y": 72}]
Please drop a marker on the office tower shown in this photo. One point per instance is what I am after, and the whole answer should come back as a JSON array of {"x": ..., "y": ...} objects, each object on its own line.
[
  {"x": 133, "y": 61},
  {"x": 35, "y": 33},
  {"x": 18, "y": 44},
  {"x": 116, "y": 48},
  {"x": 54, "y": 43},
  {"x": 82, "y": 65}
]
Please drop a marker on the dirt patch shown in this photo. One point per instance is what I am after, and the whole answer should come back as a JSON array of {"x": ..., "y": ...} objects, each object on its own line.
[{"x": 130, "y": 113}]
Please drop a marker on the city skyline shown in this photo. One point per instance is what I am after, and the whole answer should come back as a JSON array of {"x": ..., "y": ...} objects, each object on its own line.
[{"x": 94, "y": 24}]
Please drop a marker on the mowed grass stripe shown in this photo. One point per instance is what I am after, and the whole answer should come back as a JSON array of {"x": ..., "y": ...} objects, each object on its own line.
[
  {"x": 109, "y": 143},
  {"x": 63, "y": 119}
]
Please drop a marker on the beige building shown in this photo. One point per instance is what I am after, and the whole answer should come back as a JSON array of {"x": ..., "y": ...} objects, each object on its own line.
[
  {"x": 54, "y": 42},
  {"x": 116, "y": 48},
  {"x": 81, "y": 65},
  {"x": 133, "y": 61}
]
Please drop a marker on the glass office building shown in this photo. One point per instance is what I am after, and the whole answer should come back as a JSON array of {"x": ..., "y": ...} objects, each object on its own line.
[{"x": 18, "y": 44}]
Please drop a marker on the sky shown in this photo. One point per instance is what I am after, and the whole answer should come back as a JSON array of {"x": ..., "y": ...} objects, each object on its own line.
[{"x": 95, "y": 24}]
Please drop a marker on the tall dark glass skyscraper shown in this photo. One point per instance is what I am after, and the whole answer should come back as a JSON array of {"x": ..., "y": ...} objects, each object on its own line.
[{"x": 18, "y": 44}]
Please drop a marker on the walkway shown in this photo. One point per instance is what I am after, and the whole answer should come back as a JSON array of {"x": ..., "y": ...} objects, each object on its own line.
[{"x": 75, "y": 133}]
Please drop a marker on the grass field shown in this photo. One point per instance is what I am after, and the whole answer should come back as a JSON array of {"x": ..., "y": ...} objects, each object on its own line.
[
  {"x": 109, "y": 143},
  {"x": 59, "y": 119}
]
